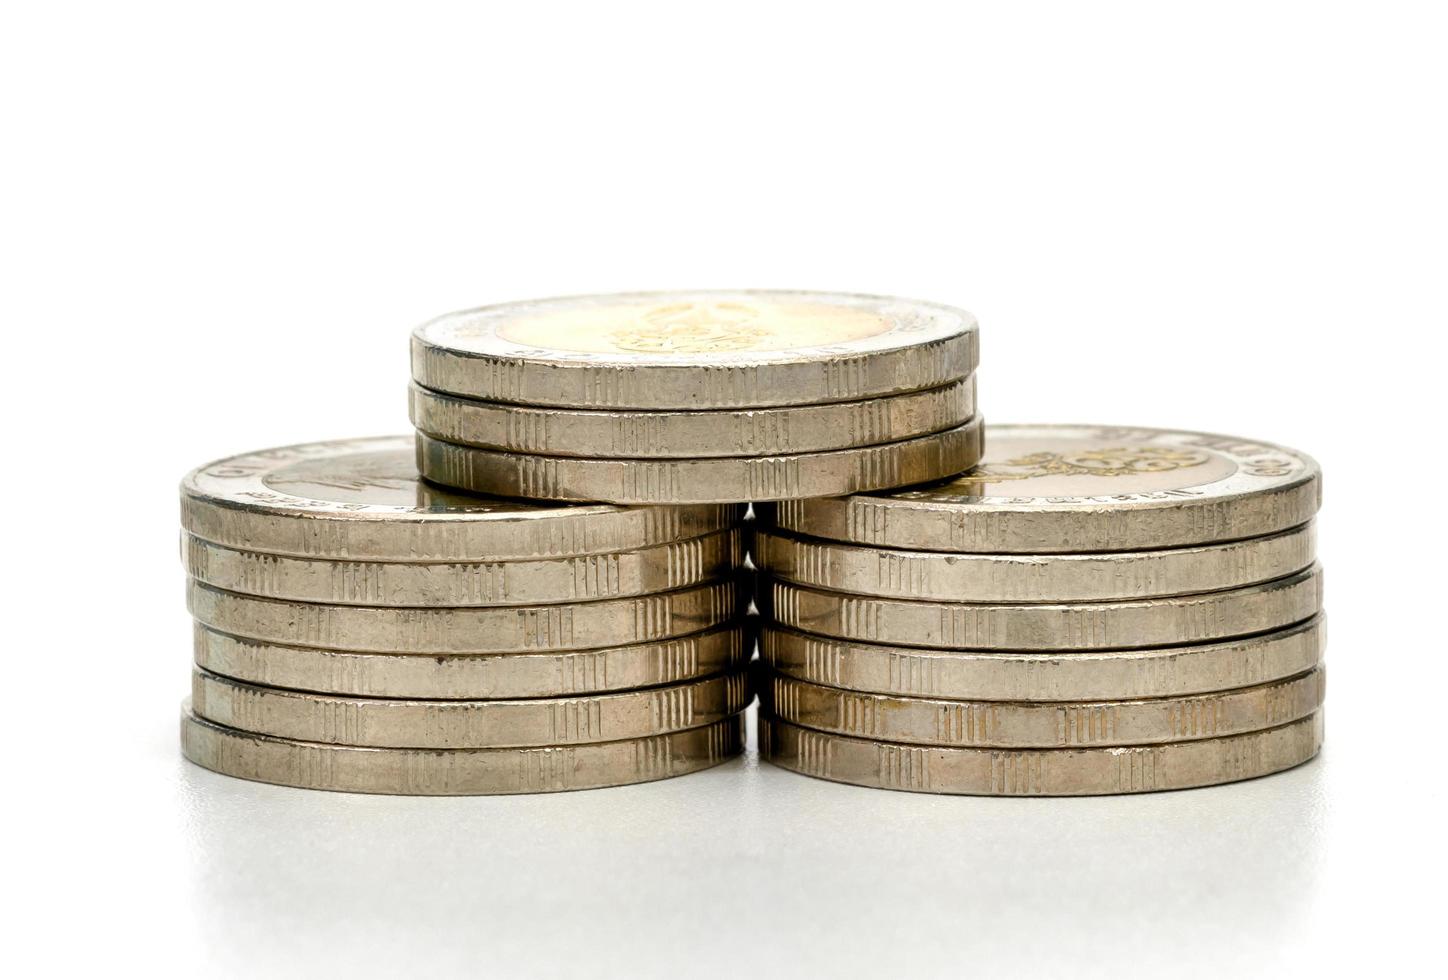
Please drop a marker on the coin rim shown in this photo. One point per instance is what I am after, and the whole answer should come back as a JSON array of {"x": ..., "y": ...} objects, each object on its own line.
[
  {"x": 887, "y": 709},
  {"x": 425, "y": 720},
  {"x": 1066, "y": 524},
  {"x": 490, "y": 424},
  {"x": 579, "y": 478},
  {"x": 773, "y": 637},
  {"x": 843, "y": 566},
  {"x": 200, "y": 739}
]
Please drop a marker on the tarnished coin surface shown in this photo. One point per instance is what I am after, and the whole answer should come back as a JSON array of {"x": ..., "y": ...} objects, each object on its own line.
[
  {"x": 362, "y": 500},
  {"x": 680, "y": 481},
  {"x": 1120, "y": 624},
  {"x": 684, "y": 435},
  {"x": 994, "y": 675},
  {"x": 456, "y": 772},
  {"x": 661, "y": 568},
  {"x": 1039, "y": 772},
  {"x": 1020, "y": 724},
  {"x": 479, "y": 629},
  {"x": 474, "y": 676},
  {"x": 1077, "y": 488},
  {"x": 977, "y": 577},
  {"x": 392, "y": 723},
  {"x": 695, "y": 350}
]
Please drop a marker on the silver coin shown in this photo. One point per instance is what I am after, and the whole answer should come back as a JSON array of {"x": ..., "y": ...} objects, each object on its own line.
[
  {"x": 1121, "y": 624},
  {"x": 362, "y": 500},
  {"x": 1006, "y": 724},
  {"x": 687, "y": 435},
  {"x": 1077, "y": 488},
  {"x": 1045, "y": 676},
  {"x": 1039, "y": 772},
  {"x": 474, "y": 676},
  {"x": 483, "y": 629},
  {"x": 700, "y": 480},
  {"x": 1032, "y": 578},
  {"x": 695, "y": 350},
  {"x": 456, "y": 772},
  {"x": 391, "y": 723},
  {"x": 661, "y": 568}
]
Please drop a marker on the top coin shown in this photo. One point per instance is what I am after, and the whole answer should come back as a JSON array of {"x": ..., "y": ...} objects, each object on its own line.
[
  {"x": 695, "y": 350},
  {"x": 1075, "y": 488},
  {"x": 363, "y": 499}
]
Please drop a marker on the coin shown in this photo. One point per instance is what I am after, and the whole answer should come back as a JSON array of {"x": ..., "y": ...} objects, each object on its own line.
[
  {"x": 361, "y": 499},
  {"x": 695, "y": 350},
  {"x": 1076, "y": 488},
  {"x": 482, "y": 583},
  {"x": 1040, "y": 772},
  {"x": 484, "y": 629},
  {"x": 700, "y": 480},
  {"x": 474, "y": 676},
  {"x": 1168, "y": 621},
  {"x": 390, "y": 723},
  {"x": 456, "y": 772},
  {"x": 1031, "y": 578},
  {"x": 1007, "y": 724},
  {"x": 686, "y": 435},
  {"x": 1043, "y": 676}
]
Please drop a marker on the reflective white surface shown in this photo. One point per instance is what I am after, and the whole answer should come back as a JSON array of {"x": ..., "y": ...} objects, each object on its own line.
[{"x": 220, "y": 224}]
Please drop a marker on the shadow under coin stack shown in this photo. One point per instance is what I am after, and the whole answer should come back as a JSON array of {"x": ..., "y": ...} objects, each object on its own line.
[
  {"x": 1088, "y": 611},
  {"x": 680, "y": 398},
  {"x": 358, "y": 629}
]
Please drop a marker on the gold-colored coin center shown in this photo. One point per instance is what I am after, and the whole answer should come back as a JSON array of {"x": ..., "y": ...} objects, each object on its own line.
[
  {"x": 1071, "y": 468},
  {"x": 694, "y": 326}
]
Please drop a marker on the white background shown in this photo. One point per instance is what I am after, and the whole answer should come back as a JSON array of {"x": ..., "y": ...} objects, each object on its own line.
[{"x": 221, "y": 221}]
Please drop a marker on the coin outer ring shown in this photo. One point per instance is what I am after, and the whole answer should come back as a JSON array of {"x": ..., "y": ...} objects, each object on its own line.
[
  {"x": 1245, "y": 505},
  {"x": 228, "y": 502},
  {"x": 681, "y": 481},
  {"x": 998, "y": 724},
  {"x": 1025, "y": 578},
  {"x": 389, "y": 723},
  {"x": 474, "y": 676},
  {"x": 662, "y": 568},
  {"x": 1039, "y": 772},
  {"x": 456, "y": 772},
  {"x": 1040, "y": 676},
  {"x": 478, "y": 629},
  {"x": 688, "y": 435},
  {"x": 463, "y": 354},
  {"x": 1121, "y": 624}
]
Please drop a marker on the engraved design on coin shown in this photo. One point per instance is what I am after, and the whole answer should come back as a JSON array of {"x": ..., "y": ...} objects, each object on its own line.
[
  {"x": 1113, "y": 462},
  {"x": 693, "y": 328}
]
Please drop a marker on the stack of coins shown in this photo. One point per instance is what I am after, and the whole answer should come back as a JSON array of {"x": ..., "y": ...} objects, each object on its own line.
[
  {"x": 1088, "y": 611},
  {"x": 674, "y": 398},
  {"x": 359, "y": 629}
]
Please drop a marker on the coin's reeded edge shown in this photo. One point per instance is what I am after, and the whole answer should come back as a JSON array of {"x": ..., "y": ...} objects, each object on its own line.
[
  {"x": 350, "y": 673},
  {"x": 1179, "y": 620},
  {"x": 447, "y": 724},
  {"x": 1021, "y": 724},
  {"x": 711, "y": 480},
  {"x": 436, "y": 630},
  {"x": 512, "y": 582},
  {"x": 779, "y": 431},
  {"x": 1042, "y": 676},
  {"x": 1039, "y": 772},
  {"x": 456, "y": 772},
  {"x": 940, "y": 576}
]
